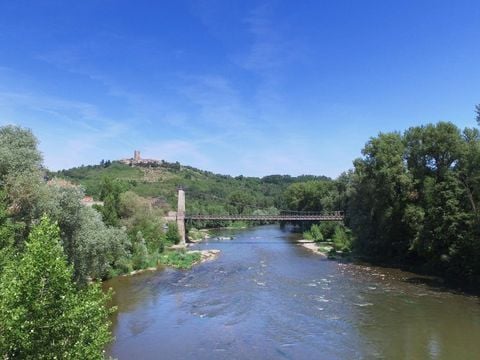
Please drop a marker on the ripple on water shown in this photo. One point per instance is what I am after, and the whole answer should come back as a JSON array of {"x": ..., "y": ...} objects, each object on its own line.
[{"x": 265, "y": 301}]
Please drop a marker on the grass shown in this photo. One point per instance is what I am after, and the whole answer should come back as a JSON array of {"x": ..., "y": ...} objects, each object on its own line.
[
  {"x": 180, "y": 259},
  {"x": 196, "y": 235}
]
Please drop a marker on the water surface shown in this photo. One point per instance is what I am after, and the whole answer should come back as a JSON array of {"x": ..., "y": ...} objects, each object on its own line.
[{"x": 267, "y": 298}]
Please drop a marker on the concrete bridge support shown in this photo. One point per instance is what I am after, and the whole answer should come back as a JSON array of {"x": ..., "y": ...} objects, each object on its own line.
[{"x": 181, "y": 216}]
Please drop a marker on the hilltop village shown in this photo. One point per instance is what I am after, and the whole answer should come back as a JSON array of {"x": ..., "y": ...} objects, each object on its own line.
[{"x": 138, "y": 161}]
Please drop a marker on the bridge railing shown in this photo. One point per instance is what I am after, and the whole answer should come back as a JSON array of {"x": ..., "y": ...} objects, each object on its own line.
[{"x": 332, "y": 216}]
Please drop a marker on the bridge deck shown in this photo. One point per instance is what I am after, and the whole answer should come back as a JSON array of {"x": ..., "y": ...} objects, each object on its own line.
[{"x": 327, "y": 217}]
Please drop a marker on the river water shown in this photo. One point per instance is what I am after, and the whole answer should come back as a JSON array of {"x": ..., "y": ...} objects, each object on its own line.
[{"x": 267, "y": 298}]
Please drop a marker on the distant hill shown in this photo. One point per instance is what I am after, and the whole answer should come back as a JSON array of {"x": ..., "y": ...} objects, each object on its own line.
[{"x": 205, "y": 191}]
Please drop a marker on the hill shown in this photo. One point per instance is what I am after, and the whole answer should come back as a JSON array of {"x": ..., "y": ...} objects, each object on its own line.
[{"x": 206, "y": 191}]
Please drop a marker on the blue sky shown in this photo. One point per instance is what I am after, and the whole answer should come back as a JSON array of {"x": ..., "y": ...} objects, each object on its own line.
[{"x": 235, "y": 87}]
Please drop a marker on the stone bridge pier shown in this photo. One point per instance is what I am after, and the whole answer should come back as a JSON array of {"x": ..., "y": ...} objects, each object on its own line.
[{"x": 181, "y": 216}]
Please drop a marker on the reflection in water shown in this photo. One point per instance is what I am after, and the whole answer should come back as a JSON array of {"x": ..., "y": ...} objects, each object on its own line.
[{"x": 268, "y": 298}]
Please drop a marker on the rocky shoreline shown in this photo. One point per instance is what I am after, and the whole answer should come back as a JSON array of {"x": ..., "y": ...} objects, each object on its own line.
[
  {"x": 312, "y": 246},
  {"x": 205, "y": 255}
]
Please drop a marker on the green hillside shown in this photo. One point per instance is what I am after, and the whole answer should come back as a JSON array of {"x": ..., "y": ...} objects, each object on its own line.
[{"x": 206, "y": 192}]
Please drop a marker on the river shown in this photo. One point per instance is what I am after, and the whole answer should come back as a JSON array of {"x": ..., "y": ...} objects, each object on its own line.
[{"x": 268, "y": 298}]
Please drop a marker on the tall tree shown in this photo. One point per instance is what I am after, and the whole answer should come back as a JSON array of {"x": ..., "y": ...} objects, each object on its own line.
[
  {"x": 377, "y": 207},
  {"x": 42, "y": 314},
  {"x": 110, "y": 195},
  {"x": 20, "y": 175}
]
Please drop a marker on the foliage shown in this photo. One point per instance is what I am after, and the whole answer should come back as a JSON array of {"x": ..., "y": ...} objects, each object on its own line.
[
  {"x": 110, "y": 191},
  {"x": 137, "y": 214},
  {"x": 7, "y": 233},
  {"x": 139, "y": 253},
  {"x": 342, "y": 239},
  {"x": 18, "y": 152},
  {"x": 315, "y": 233},
  {"x": 98, "y": 248},
  {"x": 20, "y": 176},
  {"x": 180, "y": 259},
  {"x": 207, "y": 193},
  {"x": 327, "y": 228},
  {"x": 414, "y": 199},
  {"x": 172, "y": 236},
  {"x": 381, "y": 185},
  {"x": 315, "y": 196},
  {"x": 61, "y": 202},
  {"x": 42, "y": 314},
  {"x": 195, "y": 234}
]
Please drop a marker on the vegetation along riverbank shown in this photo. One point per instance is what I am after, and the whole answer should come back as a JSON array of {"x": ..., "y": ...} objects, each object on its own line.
[{"x": 411, "y": 200}]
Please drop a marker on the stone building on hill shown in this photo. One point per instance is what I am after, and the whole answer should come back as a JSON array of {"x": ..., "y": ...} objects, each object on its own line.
[{"x": 138, "y": 161}]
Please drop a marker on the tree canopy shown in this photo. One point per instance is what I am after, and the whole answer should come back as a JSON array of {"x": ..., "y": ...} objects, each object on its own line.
[{"x": 42, "y": 313}]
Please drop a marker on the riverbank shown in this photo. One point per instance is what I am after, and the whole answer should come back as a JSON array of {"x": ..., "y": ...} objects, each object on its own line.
[
  {"x": 183, "y": 260},
  {"x": 318, "y": 248},
  {"x": 242, "y": 304},
  {"x": 312, "y": 246}
]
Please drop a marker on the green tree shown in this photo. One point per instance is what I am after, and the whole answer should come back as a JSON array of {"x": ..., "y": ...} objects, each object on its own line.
[
  {"x": 7, "y": 233},
  {"x": 239, "y": 201},
  {"x": 342, "y": 239},
  {"x": 18, "y": 152},
  {"x": 61, "y": 202},
  {"x": 139, "y": 252},
  {"x": 172, "y": 236},
  {"x": 377, "y": 206},
  {"x": 110, "y": 192},
  {"x": 99, "y": 249},
  {"x": 311, "y": 196},
  {"x": 42, "y": 314},
  {"x": 138, "y": 215},
  {"x": 315, "y": 233}
]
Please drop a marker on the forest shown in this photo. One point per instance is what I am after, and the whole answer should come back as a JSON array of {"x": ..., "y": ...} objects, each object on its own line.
[{"x": 411, "y": 200}]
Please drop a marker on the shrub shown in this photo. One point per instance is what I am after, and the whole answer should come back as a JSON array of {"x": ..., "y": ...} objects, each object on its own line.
[
  {"x": 172, "y": 236},
  {"x": 315, "y": 233},
  {"x": 342, "y": 239}
]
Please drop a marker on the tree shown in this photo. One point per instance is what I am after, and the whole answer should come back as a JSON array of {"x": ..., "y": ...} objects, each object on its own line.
[
  {"x": 18, "y": 151},
  {"x": 20, "y": 175},
  {"x": 342, "y": 239},
  {"x": 110, "y": 195},
  {"x": 315, "y": 233},
  {"x": 139, "y": 252},
  {"x": 239, "y": 201},
  {"x": 98, "y": 248},
  {"x": 311, "y": 196},
  {"x": 7, "y": 233},
  {"x": 42, "y": 314},
  {"x": 60, "y": 200},
  {"x": 172, "y": 236},
  {"x": 138, "y": 215},
  {"x": 377, "y": 206}
]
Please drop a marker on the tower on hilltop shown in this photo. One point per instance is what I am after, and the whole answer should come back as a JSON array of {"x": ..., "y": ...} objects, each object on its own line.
[{"x": 136, "y": 155}]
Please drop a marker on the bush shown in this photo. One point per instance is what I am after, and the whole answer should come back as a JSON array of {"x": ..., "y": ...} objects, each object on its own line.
[
  {"x": 328, "y": 228},
  {"x": 180, "y": 259},
  {"x": 139, "y": 253},
  {"x": 315, "y": 233},
  {"x": 172, "y": 236},
  {"x": 342, "y": 239}
]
